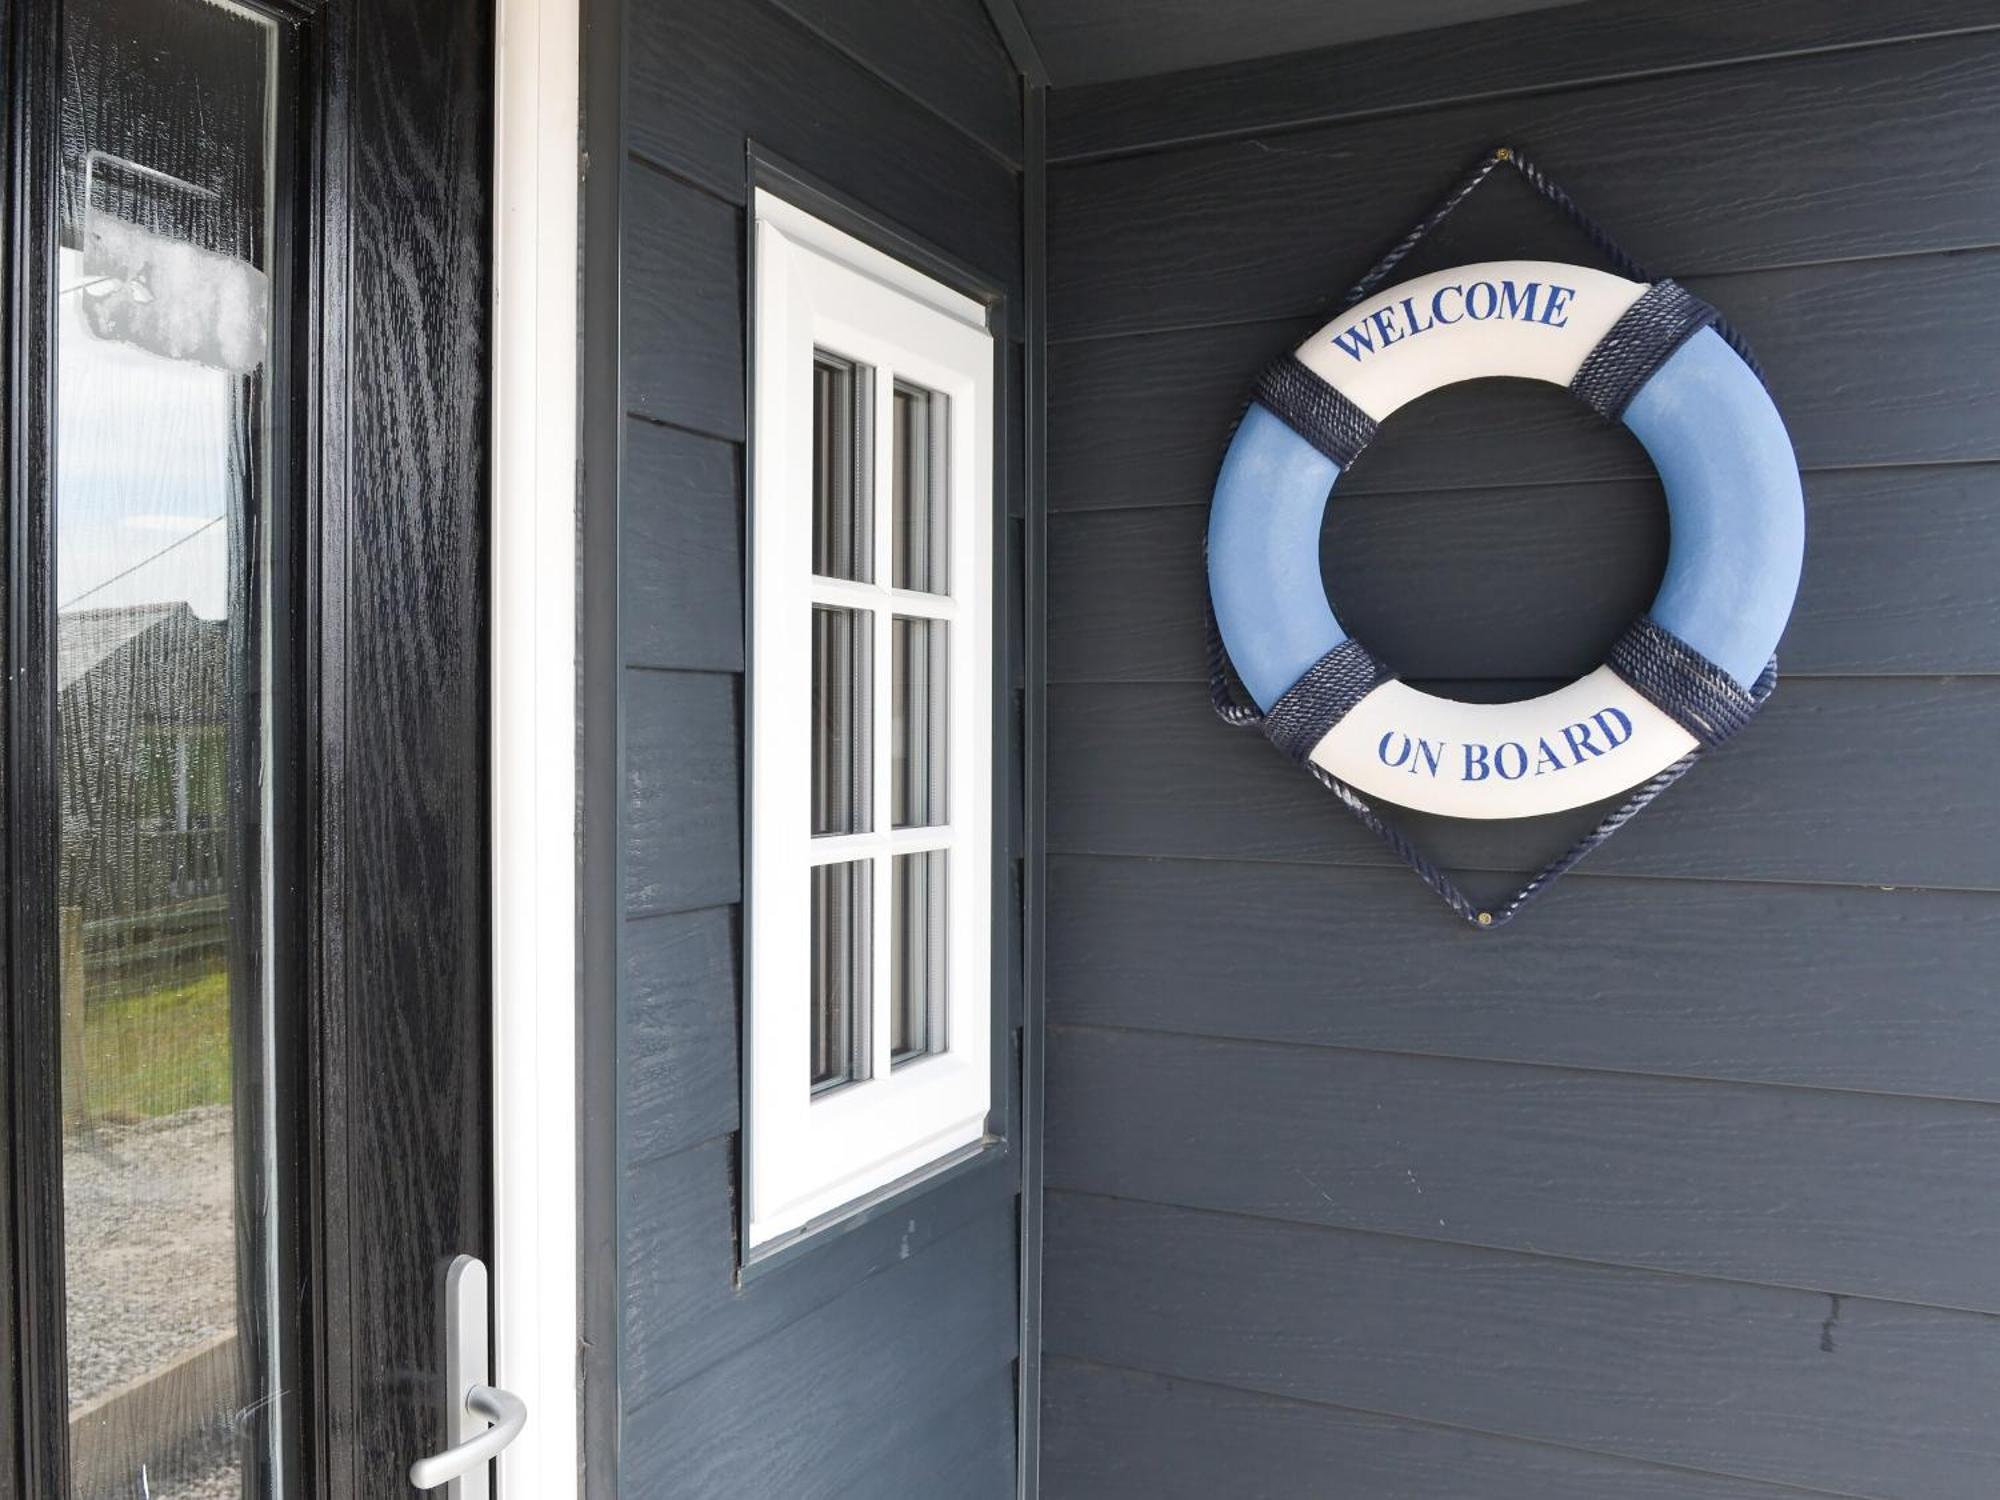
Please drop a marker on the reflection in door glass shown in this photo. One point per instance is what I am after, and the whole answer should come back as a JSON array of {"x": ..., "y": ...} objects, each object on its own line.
[{"x": 163, "y": 498}]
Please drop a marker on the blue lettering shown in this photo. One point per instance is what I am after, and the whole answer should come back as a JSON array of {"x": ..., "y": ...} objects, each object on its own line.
[
  {"x": 1416, "y": 756},
  {"x": 1353, "y": 341},
  {"x": 1476, "y": 768},
  {"x": 1578, "y": 736},
  {"x": 1546, "y": 759},
  {"x": 1617, "y": 716},
  {"x": 1520, "y": 761},
  {"x": 1517, "y": 303},
  {"x": 1480, "y": 301}
]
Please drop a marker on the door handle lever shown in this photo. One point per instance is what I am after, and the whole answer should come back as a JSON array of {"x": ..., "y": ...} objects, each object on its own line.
[
  {"x": 480, "y": 1419},
  {"x": 506, "y": 1411}
]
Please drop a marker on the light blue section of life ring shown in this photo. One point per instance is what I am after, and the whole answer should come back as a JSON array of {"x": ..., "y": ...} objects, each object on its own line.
[
  {"x": 1263, "y": 555},
  {"x": 1738, "y": 515},
  {"x": 1733, "y": 500}
]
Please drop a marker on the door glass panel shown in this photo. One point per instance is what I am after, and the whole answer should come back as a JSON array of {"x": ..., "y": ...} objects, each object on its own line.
[{"x": 163, "y": 504}]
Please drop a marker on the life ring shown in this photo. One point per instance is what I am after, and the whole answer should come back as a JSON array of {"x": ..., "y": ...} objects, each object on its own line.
[{"x": 1688, "y": 673}]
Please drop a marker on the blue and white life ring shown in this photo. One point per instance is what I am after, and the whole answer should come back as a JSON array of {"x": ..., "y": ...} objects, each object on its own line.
[{"x": 1689, "y": 671}]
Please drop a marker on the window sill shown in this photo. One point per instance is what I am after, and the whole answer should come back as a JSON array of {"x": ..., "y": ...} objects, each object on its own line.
[{"x": 887, "y": 1201}]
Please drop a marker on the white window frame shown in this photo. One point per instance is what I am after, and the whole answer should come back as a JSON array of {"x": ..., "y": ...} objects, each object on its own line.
[
  {"x": 533, "y": 585},
  {"x": 809, "y": 1158}
]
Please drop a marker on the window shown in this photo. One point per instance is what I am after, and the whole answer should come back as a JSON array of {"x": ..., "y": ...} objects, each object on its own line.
[{"x": 868, "y": 1044}]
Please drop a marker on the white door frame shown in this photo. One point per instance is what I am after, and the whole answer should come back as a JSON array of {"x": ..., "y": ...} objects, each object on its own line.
[{"x": 534, "y": 725}]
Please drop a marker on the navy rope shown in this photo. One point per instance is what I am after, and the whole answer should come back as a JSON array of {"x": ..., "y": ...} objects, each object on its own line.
[
  {"x": 1680, "y": 682},
  {"x": 1322, "y": 697},
  {"x": 1665, "y": 670},
  {"x": 1647, "y": 334},
  {"x": 1315, "y": 409}
]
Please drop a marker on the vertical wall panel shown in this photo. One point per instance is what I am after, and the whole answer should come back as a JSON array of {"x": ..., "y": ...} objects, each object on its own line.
[
  {"x": 1674, "y": 1188},
  {"x": 882, "y": 1354}
]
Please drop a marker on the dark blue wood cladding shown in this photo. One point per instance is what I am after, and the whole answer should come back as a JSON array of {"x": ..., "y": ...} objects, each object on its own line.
[
  {"x": 682, "y": 1223},
  {"x": 682, "y": 574},
  {"x": 947, "y": 56},
  {"x": 705, "y": 75},
  {"x": 969, "y": 1457},
  {"x": 1118, "y": 1432},
  {"x": 681, "y": 976},
  {"x": 1865, "y": 780},
  {"x": 683, "y": 306},
  {"x": 880, "y": 1361},
  {"x": 1542, "y": 578},
  {"x": 821, "y": 1405},
  {"x": 1141, "y": 420},
  {"x": 1869, "y": 990},
  {"x": 1142, "y": 242},
  {"x": 1681, "y": 1186},
  {"x": 1086, "y": 41},
  {"x": 1576, "y": 45},
  {"x": 1798, "y": 1187},
  {"x": 1843, "y": 1395},
  {"x": 683, "y": 771}
]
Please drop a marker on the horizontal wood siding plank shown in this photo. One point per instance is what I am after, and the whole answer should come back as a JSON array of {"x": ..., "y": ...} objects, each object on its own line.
[
  {"x": 681, "y": 555},
  {"x": 680, "y": 1031},
  {"x": 683, "y": 305},
  {"x": 684, "y": 1310},
  {"x": 683, "y": 805},
  {"x": 1111, "y": 1434},
  {"x": 1856, "y": 1397},
  {"x": 1144, "y": 421},
  {"x": 965, "y": 1451},
  {"x": 1840, "y": 781},
  {"x": 702, "y": 75},
  {"x": 1561, "y": 49},
  {"x": 1854, "y": 1193},
  {"x": 807, "y": 1411},
  {"x": 1902, "y": 576},
  {"x": 1883, "y": 151},
  {"x": 1841, "y": 988},
  {"x": 1089, "y": 41},
  {"x": 944, "y": 53}
]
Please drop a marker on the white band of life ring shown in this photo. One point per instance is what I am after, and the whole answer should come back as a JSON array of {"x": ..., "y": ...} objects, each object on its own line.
[{"x": 1737, "y": 539}]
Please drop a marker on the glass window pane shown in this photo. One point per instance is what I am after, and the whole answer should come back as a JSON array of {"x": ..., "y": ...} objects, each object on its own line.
[
  {"x": 920, "y": 486},
  {"x": 842, "y": 715},
  {"x": 917, "y": 786},
  {"x": 843, "y": 940},
  {"x": 164, "y": 499},
  {"x": 916, "y": 1009},
  {"x": 843, "y": 468}
]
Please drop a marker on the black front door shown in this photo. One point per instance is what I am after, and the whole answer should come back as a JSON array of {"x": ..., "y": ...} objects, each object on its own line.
[{"x": 244, "y": 994}]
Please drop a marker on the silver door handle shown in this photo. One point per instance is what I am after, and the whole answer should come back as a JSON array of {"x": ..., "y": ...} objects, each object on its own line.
[
  {"x": 470, "y": 1403},
  {"x": 506, "y": 1411}
]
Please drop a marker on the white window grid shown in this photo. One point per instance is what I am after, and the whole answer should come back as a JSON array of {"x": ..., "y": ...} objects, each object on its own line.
[{"x": 807, "y": 1156}]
